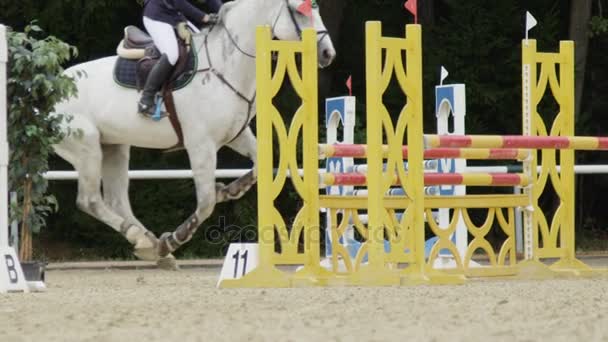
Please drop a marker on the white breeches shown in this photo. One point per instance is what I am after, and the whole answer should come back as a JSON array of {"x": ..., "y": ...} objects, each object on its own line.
[{"x": 164, "y": 38}]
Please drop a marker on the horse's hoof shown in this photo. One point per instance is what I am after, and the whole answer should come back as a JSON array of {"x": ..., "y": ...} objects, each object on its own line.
[
  {"x": 219, "y": 186},
  {"x": 164, "y": 247},
  {"x": 148, "y": 254},
  {"x": 168, "y": 263}
]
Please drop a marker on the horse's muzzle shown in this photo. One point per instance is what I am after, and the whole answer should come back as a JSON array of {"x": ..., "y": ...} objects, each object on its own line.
[{"x": 326, "y": 56}]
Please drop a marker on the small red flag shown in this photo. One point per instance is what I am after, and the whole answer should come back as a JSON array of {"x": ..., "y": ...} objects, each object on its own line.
[
  {"x": 349, "y": 85},
  {"x": 412, "y": 6},
  {"x": 306, "y": 8}
]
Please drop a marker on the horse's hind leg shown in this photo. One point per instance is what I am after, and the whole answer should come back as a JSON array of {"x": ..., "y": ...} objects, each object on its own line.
[
  {"x": 85, "y": 154},
  {"x": 115, "y": 182},
  {"x": 244, "y": 144}
]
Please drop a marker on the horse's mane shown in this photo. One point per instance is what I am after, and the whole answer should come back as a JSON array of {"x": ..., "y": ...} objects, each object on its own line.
[
  {"x": 223, "y": 12},
  {"x": 226, "y": 8}
]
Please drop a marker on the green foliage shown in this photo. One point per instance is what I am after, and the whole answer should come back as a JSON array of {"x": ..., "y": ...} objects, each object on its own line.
[
  {"x": 480, "y": 46},
  {"x": 95, "y": 26},
  {"x": 35, "y": 85},
  {"x": 598, "y": 26}
]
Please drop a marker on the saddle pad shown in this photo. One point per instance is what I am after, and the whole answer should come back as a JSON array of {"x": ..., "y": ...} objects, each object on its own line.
[{"x": 125, "y": 72}]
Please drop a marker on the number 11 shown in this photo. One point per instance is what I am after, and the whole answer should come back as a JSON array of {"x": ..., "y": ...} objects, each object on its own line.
[{"x": 236, "y": 262}]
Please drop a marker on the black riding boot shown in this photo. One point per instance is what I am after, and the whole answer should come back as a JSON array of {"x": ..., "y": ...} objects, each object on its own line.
[{"x": 159, "y": 73}]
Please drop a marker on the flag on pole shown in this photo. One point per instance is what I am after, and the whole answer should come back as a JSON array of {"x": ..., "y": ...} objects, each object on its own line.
[
  {"x": 349, "y": 85},
  {"x": 444, "y": 74},
  {"x": 530, "y": 22},
  {"x": 412, "y": 7}
]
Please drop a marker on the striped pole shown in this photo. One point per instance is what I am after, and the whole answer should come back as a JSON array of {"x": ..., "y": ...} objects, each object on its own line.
[
  {"x": 398, "y": 216},
  {"x": 428, "y": 165},
  {"x": 360, "y": 151},
  {"x": 428, "y": 190},
  {"x": 516, "y": 141},
  {"x": 473, "y": 179}
]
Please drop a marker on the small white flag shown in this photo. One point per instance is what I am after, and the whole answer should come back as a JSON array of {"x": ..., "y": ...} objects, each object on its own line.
[
  {"x": 444, "y": 74},
  {"x": 530, "y": 22}
]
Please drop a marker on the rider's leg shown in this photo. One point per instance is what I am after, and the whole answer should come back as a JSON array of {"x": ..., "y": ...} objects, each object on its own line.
[
  {"x": 164, "y": 38},
  {"x": 159, "y": 73},
  {"x": 166, "y": 42}
]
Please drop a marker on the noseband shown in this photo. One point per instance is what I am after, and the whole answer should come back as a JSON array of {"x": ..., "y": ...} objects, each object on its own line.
[{"x": 320, "y": 34}]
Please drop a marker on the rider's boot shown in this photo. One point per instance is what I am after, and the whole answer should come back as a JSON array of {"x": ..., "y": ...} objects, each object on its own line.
[{"x": 159, "y": 73}]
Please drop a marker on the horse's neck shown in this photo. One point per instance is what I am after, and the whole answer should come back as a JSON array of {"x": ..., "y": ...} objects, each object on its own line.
[{"x": 241, "y": 22}]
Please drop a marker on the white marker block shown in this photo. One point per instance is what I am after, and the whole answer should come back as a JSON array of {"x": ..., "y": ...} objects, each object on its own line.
[
  {"x": 241, "y": 259},
  {"x": 11, "y": 274}
]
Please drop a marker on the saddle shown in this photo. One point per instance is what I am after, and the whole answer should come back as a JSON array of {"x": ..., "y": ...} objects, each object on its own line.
[
  {"x": 136, "y": 57},
  {"x": 137, "y": 54}
]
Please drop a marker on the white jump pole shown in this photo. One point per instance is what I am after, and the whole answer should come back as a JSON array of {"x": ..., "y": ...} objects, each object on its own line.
[
  {"x": 450, "y": 106},
  {"x": 3, "y": 142},
  {"x": 11, "y": 274},
  {"x": 339, "y": 111},
  {"x": 450, "y": 103}
]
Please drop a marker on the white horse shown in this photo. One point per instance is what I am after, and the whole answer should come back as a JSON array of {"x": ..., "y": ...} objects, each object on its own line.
[{"x": 214, "y": 109}]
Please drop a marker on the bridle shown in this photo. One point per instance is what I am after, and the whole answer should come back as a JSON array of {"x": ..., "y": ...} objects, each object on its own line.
[
  {"x": 250, "y": 101},
  {"x": 322, "y": 33}
]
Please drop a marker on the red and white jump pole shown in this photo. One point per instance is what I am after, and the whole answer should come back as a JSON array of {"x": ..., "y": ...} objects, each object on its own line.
[{"x": 517, "y": 141}]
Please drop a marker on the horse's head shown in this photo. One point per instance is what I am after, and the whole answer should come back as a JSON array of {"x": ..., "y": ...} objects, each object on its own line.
[{"x": 289, "y": 21}]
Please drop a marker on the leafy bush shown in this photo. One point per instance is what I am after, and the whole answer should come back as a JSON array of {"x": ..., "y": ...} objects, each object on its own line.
[{"x": 35, "y": 85}]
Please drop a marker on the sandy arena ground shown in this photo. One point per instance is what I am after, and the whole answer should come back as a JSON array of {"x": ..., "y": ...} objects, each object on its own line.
[{"x": 153, "y": 305}]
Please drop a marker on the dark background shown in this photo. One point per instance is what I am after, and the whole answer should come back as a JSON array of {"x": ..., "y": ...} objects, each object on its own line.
[{"x": 478, "y": 41}]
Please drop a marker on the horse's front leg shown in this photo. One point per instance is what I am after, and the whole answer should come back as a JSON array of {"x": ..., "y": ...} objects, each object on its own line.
[
  {"x": 115, "y": 176},
  {"x": 203, "y": 162},
  {"x": 245, "y": 144}
]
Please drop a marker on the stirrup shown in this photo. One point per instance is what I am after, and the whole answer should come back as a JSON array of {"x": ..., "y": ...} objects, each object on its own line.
[
  {"x": 158, "y": 112},
  {"x": 154, "y": 111}
]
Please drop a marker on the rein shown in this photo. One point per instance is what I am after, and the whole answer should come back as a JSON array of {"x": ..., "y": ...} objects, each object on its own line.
[{"x": 221, "y": 77}]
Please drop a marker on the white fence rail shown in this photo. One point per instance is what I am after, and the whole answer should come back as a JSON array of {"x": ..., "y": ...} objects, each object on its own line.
[
  {"x": 151, "y": 174},
  {"x": 236, "y": 173}
]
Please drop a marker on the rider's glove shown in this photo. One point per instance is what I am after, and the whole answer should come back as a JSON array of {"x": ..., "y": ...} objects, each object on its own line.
[{"x": 211, "y": 18}]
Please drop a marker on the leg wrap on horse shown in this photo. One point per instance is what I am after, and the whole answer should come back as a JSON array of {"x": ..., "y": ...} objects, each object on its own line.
[
  {"x": 169, "y": 242},
  {"x": 236, "y": 189}
]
